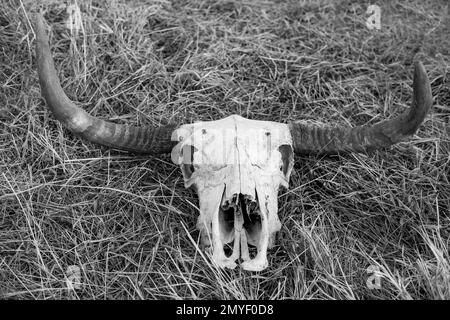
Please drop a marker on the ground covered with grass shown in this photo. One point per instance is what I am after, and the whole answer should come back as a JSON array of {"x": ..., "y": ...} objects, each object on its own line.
[{"x": 359, "y": 226}]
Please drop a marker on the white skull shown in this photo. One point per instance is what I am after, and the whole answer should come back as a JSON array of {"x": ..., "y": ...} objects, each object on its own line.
[{"x": 236, "y": 166}]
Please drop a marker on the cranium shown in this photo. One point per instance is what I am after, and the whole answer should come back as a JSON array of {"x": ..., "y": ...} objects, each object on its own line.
[{"x": 235, "y": 165}]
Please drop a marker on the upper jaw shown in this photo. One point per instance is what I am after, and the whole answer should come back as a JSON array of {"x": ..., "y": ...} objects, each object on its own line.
[{"x": 238, "y": 223}]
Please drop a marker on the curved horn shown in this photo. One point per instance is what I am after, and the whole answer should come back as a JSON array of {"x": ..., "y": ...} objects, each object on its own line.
[
  {"x": 137, "y": 139},
  {"x": 317, "y": 138}
]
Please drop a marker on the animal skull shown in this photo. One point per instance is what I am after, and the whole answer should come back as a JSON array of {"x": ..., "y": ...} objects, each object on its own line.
[{"x": 236, "y": 165}]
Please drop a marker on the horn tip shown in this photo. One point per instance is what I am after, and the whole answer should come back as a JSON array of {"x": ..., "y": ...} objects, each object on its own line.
[
  {"x": 419, "y": 71},
  {"x": 421, "y": 86},
  {"x": 39, "y": 22}
]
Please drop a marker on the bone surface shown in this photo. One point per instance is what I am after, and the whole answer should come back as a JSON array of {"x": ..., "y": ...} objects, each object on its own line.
[{"x": 236, "y": 166}]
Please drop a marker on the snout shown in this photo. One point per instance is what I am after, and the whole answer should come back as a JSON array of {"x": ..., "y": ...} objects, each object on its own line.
[{"x": 243, "y": 233}]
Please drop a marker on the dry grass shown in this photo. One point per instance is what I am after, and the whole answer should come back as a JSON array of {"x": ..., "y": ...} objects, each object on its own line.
[{"x": 127, "y": 220}]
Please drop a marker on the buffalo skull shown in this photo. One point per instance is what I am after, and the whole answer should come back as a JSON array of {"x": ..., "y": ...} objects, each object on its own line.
[{"x": 235, "y": 165}]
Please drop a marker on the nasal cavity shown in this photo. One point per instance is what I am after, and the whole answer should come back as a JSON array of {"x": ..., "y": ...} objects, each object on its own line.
[
  {"x": 252, "y": 224},
  {"x": 242, "y": 212},
  {"x": 226, "y": 225}
]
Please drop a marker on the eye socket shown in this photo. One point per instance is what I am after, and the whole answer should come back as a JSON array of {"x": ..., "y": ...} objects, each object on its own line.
[
  {"x": 287, "y": 154},
  {"x": 187, "y": 153}
]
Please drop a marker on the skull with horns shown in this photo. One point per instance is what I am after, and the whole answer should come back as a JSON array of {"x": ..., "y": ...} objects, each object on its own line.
[{"x": 235, "y": 165}]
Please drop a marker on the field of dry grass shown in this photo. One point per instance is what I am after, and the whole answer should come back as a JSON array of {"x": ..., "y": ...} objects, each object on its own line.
[{"x": 126, "y": 220}]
